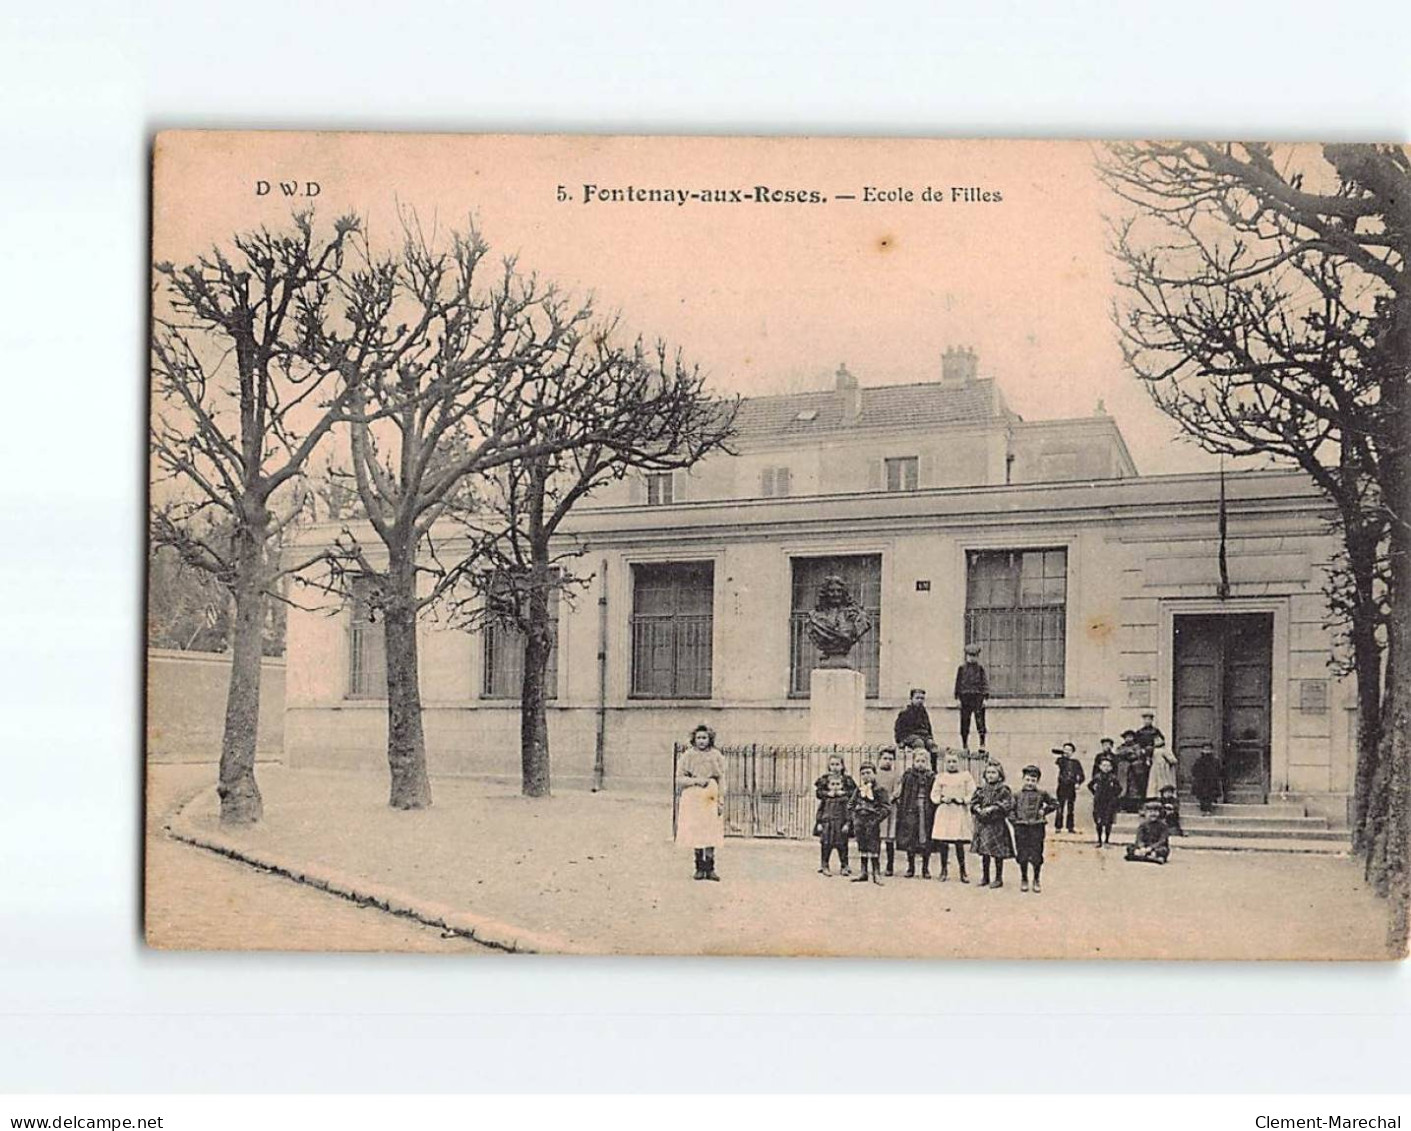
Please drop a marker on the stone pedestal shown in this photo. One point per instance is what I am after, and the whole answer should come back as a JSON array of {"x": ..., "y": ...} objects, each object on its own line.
[{"x": 835, "y": 706}]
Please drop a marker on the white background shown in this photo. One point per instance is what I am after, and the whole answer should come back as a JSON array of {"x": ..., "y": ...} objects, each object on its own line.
[{"x": 84, "y": 1007}]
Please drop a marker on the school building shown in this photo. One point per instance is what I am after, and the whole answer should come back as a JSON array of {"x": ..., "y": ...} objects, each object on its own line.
[{"x": 1094, "y": 591}]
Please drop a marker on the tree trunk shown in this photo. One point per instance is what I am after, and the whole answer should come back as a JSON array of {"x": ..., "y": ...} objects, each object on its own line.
[
  {"x": 1392, "y": 874},
  {"x": 1367, "y": 662},
  {"x": 406, "y": 741},
  {"x": 240, "y": 801},
  {"x": 533, "y": 701}
]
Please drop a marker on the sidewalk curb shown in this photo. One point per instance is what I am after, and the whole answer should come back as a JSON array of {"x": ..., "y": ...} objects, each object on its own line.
[{"x": 488, "y": 932}]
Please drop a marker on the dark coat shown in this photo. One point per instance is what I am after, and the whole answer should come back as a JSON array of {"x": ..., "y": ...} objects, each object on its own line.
[
  {"x": 970, "y": 679},
  {"x": 1070, "y": 772},
  {"x": 915, "y": 812},
  {"x": 867, "y": 815},
  {"x": 832, "y": 819},
  {"x": 912, "y": 719},
  {"x": 1107, "y": 796},
  {"x": 991, "y": 806},
  {"x": 1205, "y": 776}
]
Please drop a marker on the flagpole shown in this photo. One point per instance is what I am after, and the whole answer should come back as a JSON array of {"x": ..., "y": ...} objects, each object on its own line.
[{"x": 1222, "y": 590}]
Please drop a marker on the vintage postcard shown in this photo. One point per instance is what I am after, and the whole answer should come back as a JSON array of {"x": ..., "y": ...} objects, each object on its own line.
[{"x": 763, "y": 546}]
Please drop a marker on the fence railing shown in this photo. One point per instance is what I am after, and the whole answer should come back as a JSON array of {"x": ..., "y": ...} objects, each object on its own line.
[{"x": 769, "y": 789}]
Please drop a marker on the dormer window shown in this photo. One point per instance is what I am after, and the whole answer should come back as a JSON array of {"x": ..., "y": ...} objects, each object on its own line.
[
  {"x": 901, "y": 473},
  {"x": 659, "y": 492},
  {"x": 807, "y": 415}
]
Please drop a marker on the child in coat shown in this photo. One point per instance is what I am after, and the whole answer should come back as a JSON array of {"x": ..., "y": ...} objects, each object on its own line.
[
  {"x": 915, "y": 813},
  {"x": 1106, "y": 789},
  {"x": 1171, "y": 810},
  {"x": 1152, "y": 844},
  {"x": 1104, "y": 751},
  {"x": 889, "y": 778},
  {"x": 867, "y": 809},
  {"x": 991, "y": 806},
  {"x": 833, "y": 790},
  {"x": 950, "y": 794},
  {"x": 1070, "y": 777},
  {"x": 972, "y": 688},
  {"x": 1032, "y": 806},
  {"x": 1205, "y": 779}
]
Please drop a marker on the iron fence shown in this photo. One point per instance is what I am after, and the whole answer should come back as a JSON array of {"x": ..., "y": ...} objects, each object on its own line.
[{"x": 769, "y": 789}]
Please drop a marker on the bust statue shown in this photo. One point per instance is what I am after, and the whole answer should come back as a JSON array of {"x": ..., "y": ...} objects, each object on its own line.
[{"x": 836, "y": 623}]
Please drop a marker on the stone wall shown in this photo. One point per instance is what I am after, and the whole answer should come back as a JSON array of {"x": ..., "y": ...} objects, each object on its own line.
[{"x": 186, "y": 694}]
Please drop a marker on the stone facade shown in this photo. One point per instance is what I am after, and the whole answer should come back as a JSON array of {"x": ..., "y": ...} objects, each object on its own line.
[{"x": 1138, "y": 554}]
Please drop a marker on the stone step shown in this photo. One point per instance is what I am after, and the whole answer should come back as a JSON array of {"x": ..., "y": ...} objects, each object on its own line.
[
  {"x": 1295, "y": 845},
  {"x": 1241, "y": 831},
  {"x": 1214, "y": 823},
  {"x": 1241, "y": 809}
]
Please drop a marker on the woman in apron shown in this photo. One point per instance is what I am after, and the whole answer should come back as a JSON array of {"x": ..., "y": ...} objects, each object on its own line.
[{"x": 700, "y": 811}]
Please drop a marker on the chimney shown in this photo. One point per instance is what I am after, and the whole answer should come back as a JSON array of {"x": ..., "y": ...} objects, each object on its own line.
[
  {"x": 851, "y": 394},
  {"x": 959, "y": 366}
]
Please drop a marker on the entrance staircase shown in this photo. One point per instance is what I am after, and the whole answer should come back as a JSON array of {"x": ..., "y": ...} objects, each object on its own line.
[{"x": 1280, "y": 826}]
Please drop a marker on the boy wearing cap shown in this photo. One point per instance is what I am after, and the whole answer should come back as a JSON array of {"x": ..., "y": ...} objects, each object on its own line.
[
  {"x": 914, "y": 722},
  {"x": 1153, "y": 843},
  {"x": 972, "y": 687},
  {"x": 1032, "y": 806},
  {"x": 867, "y": 810},
  {"x": 1149, "y": 740},
  {"x": 1070, "y": 777}
]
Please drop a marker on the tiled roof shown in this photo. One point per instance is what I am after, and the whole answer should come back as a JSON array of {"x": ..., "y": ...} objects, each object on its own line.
[{"x": 883, "y": 406}]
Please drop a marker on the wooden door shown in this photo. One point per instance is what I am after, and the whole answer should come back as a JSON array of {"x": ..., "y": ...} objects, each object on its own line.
[
  {"x": 1223, "y": 680},
  {"x": 1247, "y": 683},
  {"x": 1198, "y": 678}
]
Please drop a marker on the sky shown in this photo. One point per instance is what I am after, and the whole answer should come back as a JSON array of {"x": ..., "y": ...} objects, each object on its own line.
[{"x": 766, "y": 296}]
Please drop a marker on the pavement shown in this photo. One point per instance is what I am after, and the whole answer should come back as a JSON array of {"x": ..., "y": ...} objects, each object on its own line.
[
  {"x": 597, "y": 874},
  {"x": 198, "y": 900}
]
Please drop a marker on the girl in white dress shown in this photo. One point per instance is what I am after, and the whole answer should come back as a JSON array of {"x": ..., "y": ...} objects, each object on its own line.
[
  {"x": 700, "y": 810},
  {"x": 951, "y": 794}
]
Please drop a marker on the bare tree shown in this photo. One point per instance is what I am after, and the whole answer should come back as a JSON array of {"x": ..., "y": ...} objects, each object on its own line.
[
  {"x": 456, "y": 405},
  {"x": 638, "y": 411},
  {"x": 1267, "y": 310},
  {"x": 245, "y": 387}
]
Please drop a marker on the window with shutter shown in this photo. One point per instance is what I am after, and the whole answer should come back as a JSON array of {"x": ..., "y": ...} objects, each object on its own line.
[
  {"x": 502, "y": 653},
  {"x": 367, "y": 649},
  {"x": 766, "y": 482},
  {"x": 782, "y": 481},
  {"x": 660, "y": 492},
  {"x": 901, "y": 473}
]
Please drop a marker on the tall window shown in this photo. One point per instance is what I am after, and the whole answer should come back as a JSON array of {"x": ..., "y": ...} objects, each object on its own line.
[
  {"x": 672, "y": 622},
  {"x": 901, "y": 473},
  {"x": 1015, "y": 607},
  {"x": 367, "y": 648},
  {"x": 659, "y": 488},
  {"x": 863, "y": 576},
  {"x": 504, "y": 656}
]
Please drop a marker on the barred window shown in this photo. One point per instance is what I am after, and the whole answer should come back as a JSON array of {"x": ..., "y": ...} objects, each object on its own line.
[
  {"x": 503, "y": 655},
  {"x": 367, "y": 649},
  {"x": 862, "y": 574},
  {"x": 672, "y": 624},
  {"x": 1015, "y": 609}
]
